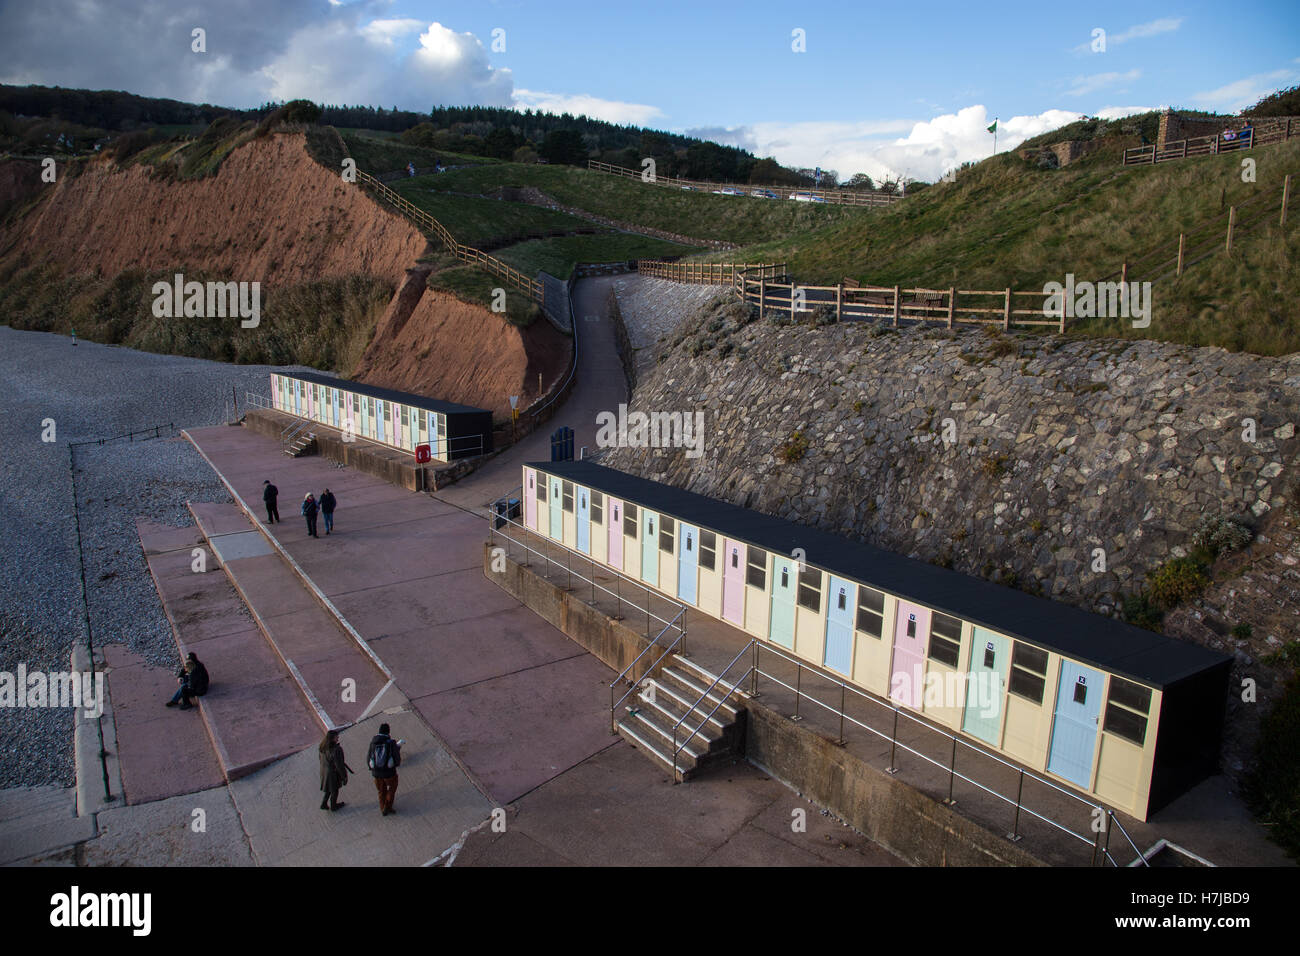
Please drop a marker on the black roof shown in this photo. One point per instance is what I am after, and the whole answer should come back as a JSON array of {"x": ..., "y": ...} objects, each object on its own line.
[
  {"x": 1107, "y": 643},
  {"x": 387, "y": 394}
]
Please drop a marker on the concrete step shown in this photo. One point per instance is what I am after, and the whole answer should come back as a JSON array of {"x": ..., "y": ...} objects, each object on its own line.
[
  {"x": 40, "y": 820},
  {"x": 669, "y": 698},
  {"x": 636, "y": 733},
  {"x": 690, "y": 687},
  {"x": 311, "y": 641},
  {"x": 667, "y": 716}
]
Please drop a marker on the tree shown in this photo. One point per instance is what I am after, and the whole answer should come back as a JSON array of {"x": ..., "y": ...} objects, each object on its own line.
[
  {"x": 860, "y": 181},
  {"x": 564, "y": 146}
]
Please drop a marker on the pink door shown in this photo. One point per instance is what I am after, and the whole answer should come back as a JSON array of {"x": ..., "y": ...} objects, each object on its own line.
[
  {"x": 530, "y": 498},
  {"x": 733, "y": 582},
  {"x": 614, "y": 519},
  {"x": 911, "y": 631}
]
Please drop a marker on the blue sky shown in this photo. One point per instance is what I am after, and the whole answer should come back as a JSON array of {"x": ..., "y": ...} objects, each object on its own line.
[{"x": 878, "y": 88}]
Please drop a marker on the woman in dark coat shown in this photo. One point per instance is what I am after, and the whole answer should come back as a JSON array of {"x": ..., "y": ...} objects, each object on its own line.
[
  {"x": 333, "y": 771},
  {"x": 309, "y": 512}
]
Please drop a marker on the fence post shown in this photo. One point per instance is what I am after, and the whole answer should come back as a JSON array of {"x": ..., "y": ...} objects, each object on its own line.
[
  {"x": 1286, "y": 195},
  {"x": 839, "y": 294},
  {"x": 893, "y": 745},
  {"x": 762, "y": 293},
  {"x": 1006, "y": 311},
  {"x": 952, "y": 772},
  {"x": 952, "y": 303},
  {"x": 798, "y": 692},
  {"x": 1182, "y": 246},
  {"x": 1123, "y": 276},
  {"x": 898, "y": 302},
  {"x": 1014, "y": 835},
  {"x": 1232, "y": 221}
]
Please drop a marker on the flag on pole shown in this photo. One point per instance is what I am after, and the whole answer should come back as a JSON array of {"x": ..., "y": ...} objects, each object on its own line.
[
  {"x": 994, "y": 127},
  {"x": 994, "y": 130}
]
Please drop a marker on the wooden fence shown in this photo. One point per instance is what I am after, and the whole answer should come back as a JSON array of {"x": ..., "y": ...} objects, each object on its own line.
[
  {"x": 1263, "y": 134},
  {"x": 512, "y": 276},
  {"x": 844, "y": 197},
  {"x": 765, "y": 286},
  {"x": 1172, "y": 258}
]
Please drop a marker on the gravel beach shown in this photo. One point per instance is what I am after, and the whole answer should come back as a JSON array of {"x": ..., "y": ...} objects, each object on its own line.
[{"x": 91, "y": 391}]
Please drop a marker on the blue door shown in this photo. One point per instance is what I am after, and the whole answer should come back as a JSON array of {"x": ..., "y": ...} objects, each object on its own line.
[
  {"x": 990, "y": 661},
  {"x": 1074, "y": 732},
  {"x": 650, "y": 548},
  {"x": 584, "y": 520},
  {"x": 297, "y": 398},
  {"x": 557, "y": 517},
  {"x": 839, "y": 625},
  {"x": 688, "y": 562},
  {"x": 785, "y": 578}
]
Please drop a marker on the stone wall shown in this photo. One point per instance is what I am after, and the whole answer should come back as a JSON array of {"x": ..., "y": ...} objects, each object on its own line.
[{"x": 1057, "y": 447}]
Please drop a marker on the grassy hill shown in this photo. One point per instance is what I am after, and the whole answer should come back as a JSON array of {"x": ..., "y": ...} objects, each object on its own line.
[
  {"x": 1008, "y": 222},
  {"x": 737, "y": 219}
]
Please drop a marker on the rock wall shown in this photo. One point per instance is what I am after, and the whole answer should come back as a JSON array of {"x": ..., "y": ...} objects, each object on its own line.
[{"x": 1008, "y": 457}]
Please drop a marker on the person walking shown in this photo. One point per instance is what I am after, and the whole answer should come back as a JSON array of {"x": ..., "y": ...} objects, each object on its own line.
[
  {"x": 334, "y": 771},
  {"x": 269, "y": 495},
  {"x": 327, "y": 503},
  {"x": 309, "y": 512},
  {"x": 383, "y": 759}
]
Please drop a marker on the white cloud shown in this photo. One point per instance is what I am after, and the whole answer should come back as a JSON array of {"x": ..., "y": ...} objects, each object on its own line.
[
  {"x": 1138, "y": 32},
  {"x": 583, "y": 104},
  {"x": 1097, "y": 81},
  {"x": 926, "y": 151},
  {"x": 1245, "y": 92}
]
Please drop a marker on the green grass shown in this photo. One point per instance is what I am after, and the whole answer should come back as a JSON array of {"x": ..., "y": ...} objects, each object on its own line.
[
  {"x": 376, "y": 155},
  {"x": 1005, "y": 222},
  {"x": 474, "y": 285},
  {"x": 558, "y": 256},
  {"x": 736, "y": 219},
  {"x": 485, "y": 222}
]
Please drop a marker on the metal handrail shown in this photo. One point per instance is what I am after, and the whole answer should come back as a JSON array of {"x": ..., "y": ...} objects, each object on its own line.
[
  {"x": 944, "y": 734},
  {"x": 678, "y": 749},
  {"x": 613, "y": 706}
]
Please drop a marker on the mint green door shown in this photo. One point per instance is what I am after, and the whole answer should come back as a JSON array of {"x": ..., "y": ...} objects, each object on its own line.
[
  {"x": 785, "y": 578},
  {"x": 990, "y": 660}
]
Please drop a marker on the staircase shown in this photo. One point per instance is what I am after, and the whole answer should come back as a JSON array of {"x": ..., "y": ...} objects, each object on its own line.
[
  {"x": 660, "y": 702},
  {"x": 298, "y": 440}
]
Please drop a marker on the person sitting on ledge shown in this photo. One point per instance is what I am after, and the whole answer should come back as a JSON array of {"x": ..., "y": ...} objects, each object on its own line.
[{"x": 193, "y": 679}]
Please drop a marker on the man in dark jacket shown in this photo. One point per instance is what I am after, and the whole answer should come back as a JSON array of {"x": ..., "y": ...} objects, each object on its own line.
[
  {"x": 334, "y": 771},
  {"x": 309, "y": 512},
  {"x": 269, "y": 495},
  {"x": 194, "y": 683},
  {"x": 327, "y": 503},
  {"x": 383, "y": 759}
]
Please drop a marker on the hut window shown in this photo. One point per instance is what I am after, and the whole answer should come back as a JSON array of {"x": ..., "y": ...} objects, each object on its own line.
[
  {"x": 666, "y": 535},
  {"x": 810, "y": 589},
  {"x": 756, "y": 575},
  {"x": 871, "y": 611},
  {"x": 568, "y": 496},
  {"x": 785, "y": 578},
  {"x": 597, "y": 507},
  {"x": 989, "y": 656},
  {"x": 735, "y": 557},
  {"x": 708, "y": 550},
  {"x": 841, "y": 601},
  {"x": 911, "y": 625},
  {"x": 1028, "y": 672},
  {"x": 1127, "y": 710},
  {"x": 540, "y": 491},
  {"x": 629, "y": 520},
  {"x": 1081, "y": 691},
  {"x": 945, "y": 639}
]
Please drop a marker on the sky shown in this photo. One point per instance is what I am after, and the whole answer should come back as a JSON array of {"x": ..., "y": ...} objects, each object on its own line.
[{"x": 889, "y": 90}]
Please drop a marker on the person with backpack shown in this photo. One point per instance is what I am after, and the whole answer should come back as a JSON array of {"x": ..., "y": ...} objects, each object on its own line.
[
  {"x": 383, "y": 759},
  {"x": 327, "y": 503},
  {"x": 193, "y": 678},
  {"x": 309, "y": 512},
  {"x": 269, "y": 495},
  {"x": 334, "y": 771}
]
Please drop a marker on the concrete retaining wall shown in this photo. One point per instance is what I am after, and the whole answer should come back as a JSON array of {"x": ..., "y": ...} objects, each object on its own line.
[
  {"x": 613, "y": 643},
  {"x": 910, "y": 823},
  {"x": 362, "y": 456}
]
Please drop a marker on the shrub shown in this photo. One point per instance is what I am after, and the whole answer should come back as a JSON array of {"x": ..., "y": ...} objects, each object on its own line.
[
  {"x": 1241, "y": 631},
  {"x": 1221, "y": 534},
  {"x": 1177, "y": 581},
  {"x": 794, "y": 448},
  {"x": 994, "y": 466},
  {"x": 1274, "y": 787},
  {"x": 1140, "y": 612}
]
